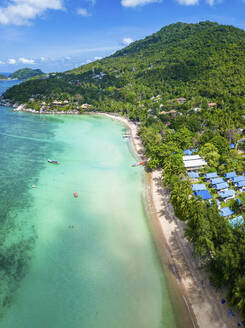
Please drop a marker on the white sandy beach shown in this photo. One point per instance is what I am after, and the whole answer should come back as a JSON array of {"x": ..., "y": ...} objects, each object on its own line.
[{"x": 203, "y": 300}]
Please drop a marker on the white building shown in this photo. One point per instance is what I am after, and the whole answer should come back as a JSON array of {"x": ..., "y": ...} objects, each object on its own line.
[{"x": 193, "y": 162}]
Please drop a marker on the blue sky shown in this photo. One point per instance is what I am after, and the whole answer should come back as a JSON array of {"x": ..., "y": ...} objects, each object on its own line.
[{"x": 57, "y": 35}]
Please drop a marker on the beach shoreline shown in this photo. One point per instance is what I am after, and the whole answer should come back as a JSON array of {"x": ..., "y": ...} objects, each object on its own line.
[{"x": 202, "y": 300}]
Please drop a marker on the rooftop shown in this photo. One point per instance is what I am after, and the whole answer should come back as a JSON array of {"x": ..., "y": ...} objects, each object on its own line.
[
  {"x": 198, "y": 187},
  {"x": 204, "y": 194},
  {"x": 221, "y": 186},
  {"x": 193, "y": 175},
  {"x": 240, "y": 184},
  {"x": 211, "y": 175},
  {"x": 230, "y": 175},
  {"x": 227, "y": 193},
  {"x": 238, "y": 178},
  {"x": 226, "y": 211},
  {"x": 237, "y": 221},
  {"x": 191, "y": 157},
  {"x": 187, "y": 152},
  {"x": 194, "y": 161},
  {"x": 216, "y": 181}
]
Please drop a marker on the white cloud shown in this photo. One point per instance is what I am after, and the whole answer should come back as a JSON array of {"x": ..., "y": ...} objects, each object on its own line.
[
  {"x": 188, "y": 2},
  {"x": 20, "y": 12},
  {"x": 2, "y": 63},
  {"x": 127, "y": 41},
  {"x": 26, "y": 61},
  {"x": 135, "y": 3},
  {"x": 43, "y": 59},
  {"x": 83, "y": 12},
  {"x": 12, "y": 61},
  {"x": 97, "y": 58}
]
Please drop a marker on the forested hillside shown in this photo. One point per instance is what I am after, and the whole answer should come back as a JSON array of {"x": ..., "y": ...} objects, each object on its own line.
[
  {"x": 181, "y": 60},
  {"x": 25, "y": 73}
]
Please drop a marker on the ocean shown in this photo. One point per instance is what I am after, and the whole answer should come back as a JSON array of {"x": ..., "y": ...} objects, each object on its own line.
[{"x": 66, "y": 262}]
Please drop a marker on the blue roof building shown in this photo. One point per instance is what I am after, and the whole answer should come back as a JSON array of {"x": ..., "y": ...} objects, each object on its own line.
[
  {"x": 212, "y": 175},
  {"x": 204, "y": 194},
  {"x": 198, "y": 187},
  {"x": 221, "y": 186},
  {"x": 232, "y": 146},
  {"x": 239, "y": 202},
  {"x": 238, "y": 178},
  {"x": 193, "y": 175},
  {"x": 227, "y": 194},
  {"x": 216, "y": 181},
  {"x": 230, "y": 175},
  {"x": 237, "y": 221},
  {"x": 240, "y": 184},
  {"x": 187, "y": 152},
  {"x": 226, "y": 211}
]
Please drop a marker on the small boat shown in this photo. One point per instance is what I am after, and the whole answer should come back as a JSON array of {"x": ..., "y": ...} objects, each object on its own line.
[
  {"x": 75, "y": 194},
  {"x": 138, "y": 164},
  {"x": 34, "y": 186},
  {"x": 53, "y": 161}
]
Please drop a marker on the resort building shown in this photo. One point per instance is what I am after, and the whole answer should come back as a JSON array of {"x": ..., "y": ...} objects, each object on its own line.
[
  {"x": 187, "y": 152},
  {"x": 198, "y": 187},
  {"x": 193, "y": 176},
  {"x": 240, "y": 185},
  {"x": 226, "y": 211},
  {"x": 237, "y": 221},
  {"x": 212, "y": 104},
  {"x": 238, "y": 179},
  {"x": 230, "y": 175},
  {"x": 227, "y": 195},
  {"x": 204, "y": 194},
  {"x": 221, "y": 187},
  {"x": 216, "y": 181},
  {"x": 181, "y": 100},
  {"x": 193, "y": 162},
  {"x": 211, "y": 175}
]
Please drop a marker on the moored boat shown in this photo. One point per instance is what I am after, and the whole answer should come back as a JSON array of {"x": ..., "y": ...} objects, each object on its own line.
[
  {"x": 53, "y": 161},
  {"x": 138, "y": 164}
]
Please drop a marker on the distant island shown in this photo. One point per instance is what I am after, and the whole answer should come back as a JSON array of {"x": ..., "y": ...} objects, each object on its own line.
[
  {"x": 2, "y": 77},
  {"x": 25, "y": 73}
]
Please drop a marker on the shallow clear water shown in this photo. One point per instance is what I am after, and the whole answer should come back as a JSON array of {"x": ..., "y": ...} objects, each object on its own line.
[{"x": 67, "y": 262}]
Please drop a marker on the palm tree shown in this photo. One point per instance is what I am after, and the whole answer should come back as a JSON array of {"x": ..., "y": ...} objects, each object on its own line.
[{"x": 238, "y": 295}]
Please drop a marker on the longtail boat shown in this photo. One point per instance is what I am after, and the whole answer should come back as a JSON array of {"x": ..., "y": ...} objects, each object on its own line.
[{"x": 53, "y": 161}]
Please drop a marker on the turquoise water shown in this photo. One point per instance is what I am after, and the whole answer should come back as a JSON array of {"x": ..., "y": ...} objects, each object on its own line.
[{"x": 70, "y": 262}]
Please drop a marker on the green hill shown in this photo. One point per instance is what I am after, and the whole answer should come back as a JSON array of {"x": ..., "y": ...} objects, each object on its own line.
[
  {"x": 2, "y": 77},
  {"x": 205, "y": 59},
  {"x": 25, "y": 73}
]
